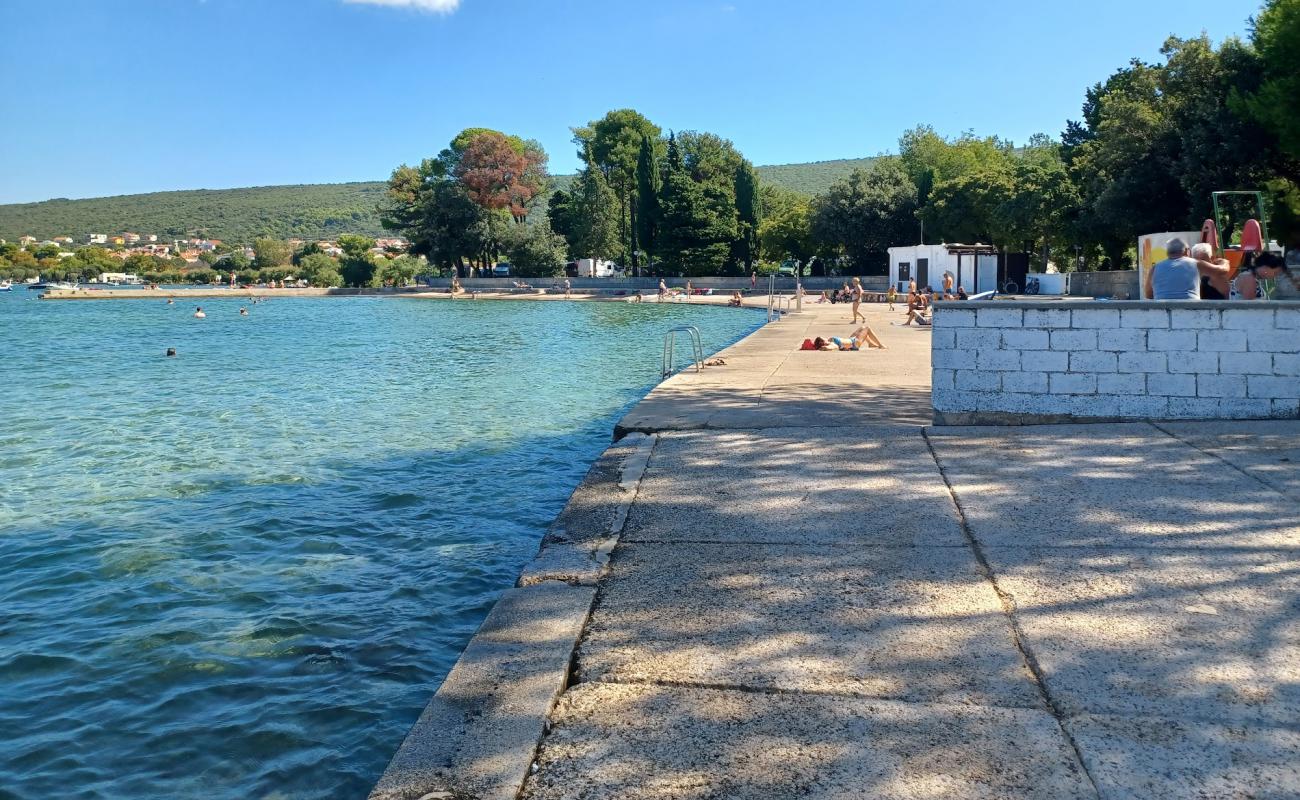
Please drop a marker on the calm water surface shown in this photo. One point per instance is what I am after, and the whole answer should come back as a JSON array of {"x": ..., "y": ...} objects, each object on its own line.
[{"x": 241, "y": 572}]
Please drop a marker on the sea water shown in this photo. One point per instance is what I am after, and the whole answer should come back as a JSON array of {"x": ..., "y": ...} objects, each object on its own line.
[{"x": 243, "y": 570}]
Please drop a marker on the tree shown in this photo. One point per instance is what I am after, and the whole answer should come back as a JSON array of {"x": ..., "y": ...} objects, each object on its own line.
[
  {"x": 595, "y": 219},
  {"x": 865, "y": 214},
  {"x": 139, "y": 263},
  {"x": 319, "y": 269},
  {"x": 271, "y": 253},
  {"x": 613, "y": 145},
  {"x": 536, "y": 251},
  {"x": 1275, "y": 33},
  {"x": 357, "y": 265},
  {"x": 400, "y": 271},
  {"x": 561, "y": 213},
  {"x": 748, "y": 214},
  {"x": 647, "y": 197},
  {"x": 695, "y": 233},
  {"x": 786, "y": 229},
  {"x": 500, "y": 172}
]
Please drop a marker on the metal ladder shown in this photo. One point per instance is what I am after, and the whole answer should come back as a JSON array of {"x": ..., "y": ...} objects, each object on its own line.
[
  {"x": 670, "y": 339},
  {"x": 779, "y": 305}
]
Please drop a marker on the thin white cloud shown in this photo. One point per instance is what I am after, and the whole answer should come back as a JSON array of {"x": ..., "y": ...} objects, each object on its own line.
[{"x": 434, "y": 6}]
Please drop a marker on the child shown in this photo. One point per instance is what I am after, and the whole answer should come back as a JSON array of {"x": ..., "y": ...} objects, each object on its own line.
[{"x": 891, "y": 295}]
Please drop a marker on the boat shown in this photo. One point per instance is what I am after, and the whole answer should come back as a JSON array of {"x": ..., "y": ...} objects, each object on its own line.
[{"x": 6, "y": 286}]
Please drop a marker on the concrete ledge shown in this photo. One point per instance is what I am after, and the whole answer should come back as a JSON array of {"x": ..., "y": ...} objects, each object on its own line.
[
  {"x": 976, "y": 419},
  {"x": 1085, "y": 302},
  {"x": 576, "y": 548},
  {"x": 477, "y": 738}
]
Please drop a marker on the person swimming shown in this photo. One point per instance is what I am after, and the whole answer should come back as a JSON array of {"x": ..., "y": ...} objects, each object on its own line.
[
  {"x": 243, "y": 312},
  {"x": 198, "y": 312},
  {"x": 171, "y": 302},
  {"x": 171, "y": 351}
]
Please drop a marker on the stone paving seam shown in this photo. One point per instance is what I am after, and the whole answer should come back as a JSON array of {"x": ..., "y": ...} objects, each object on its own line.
[
  {"x": 1009, "y": 609},
  {"x": 779, "y": 691},
  {"x": 1215, "y": 456}
]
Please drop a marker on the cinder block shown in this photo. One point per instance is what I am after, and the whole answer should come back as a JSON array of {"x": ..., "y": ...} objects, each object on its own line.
[
  {"x": 943, "y": 379},
  {"x": 1047, "y": 318},
  {"x": 1000, "y": 318},
  {"x": 1003, "y": 360},
  {"x": 1019, "y": 403},
  {"x": 1248, "y": 319},
  {"x": 979, "y": 339},
  {"x": 942, "y": 339},
  {"x": 1220, "y": 385},
  {"x": 948, "y": 317},
  {"x": 1246, "y": 364},
  {"x": 1044, "y": 361},
  {"x": 1124, "y": 383},
  {"x": 952, "y": 359},
  {"x": 1287, "y": 319},
  {"x": 1195, "y": 319},
  {"x": 1072, "y": 383},
  {"x": 1223, "y": 341},
  {"x": 1106, "y": 318},
  {"x": 1286, "y": 364},
  {"x": 1074, "y": 340},
  {"x": 1279, "y": 341},
  {"x": 949, "y": 400},
  {"x": 1144, "y": 318},
  {"x": 1285, "y": 409},
  {"x": 1031, "y": 382},
  {"x": 1024, "y": 339},
  {"x": 1270, "y": 386},
  {"x": 971, "y": 380},
  {"x": 1142, "y": 362},
  {"x": 1149, "y": 407},
  {"x": 1171, "y": 385},
  {"x": 1194, "y": 362},
  {"x": 1094, "y": 405},
  {"x": 1122, "y": 339},
  {"x": 1244, "y": 409},
  {"x": 1193, "y": 408},
  {"x": 1093, "y": 361},
  {"x": 973, "y": 401},
  {"x": 1171, "y": 340}
]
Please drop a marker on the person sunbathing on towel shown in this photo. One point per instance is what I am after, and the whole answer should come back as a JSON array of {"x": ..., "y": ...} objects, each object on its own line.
[
  {"x": 920, "y": 318},
  {"x": 856, "y": 340}
]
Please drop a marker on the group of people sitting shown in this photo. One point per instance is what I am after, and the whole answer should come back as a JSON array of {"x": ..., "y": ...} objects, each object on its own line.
[{"x": 1196, "y": 274}]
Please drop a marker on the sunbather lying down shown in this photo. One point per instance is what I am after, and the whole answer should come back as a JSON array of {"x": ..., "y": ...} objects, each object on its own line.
[{"x": 862, "y": 337}]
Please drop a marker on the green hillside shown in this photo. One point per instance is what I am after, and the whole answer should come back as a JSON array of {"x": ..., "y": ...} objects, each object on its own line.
[{"x": 308, "y": 211}]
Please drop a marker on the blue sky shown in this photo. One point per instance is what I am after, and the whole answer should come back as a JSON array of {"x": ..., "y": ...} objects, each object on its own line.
[{"x": 121, "y": 96}]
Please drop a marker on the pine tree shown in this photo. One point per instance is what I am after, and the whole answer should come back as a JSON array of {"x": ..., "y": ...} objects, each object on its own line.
[
  {"x": 647, "y": 198},
  {"x": 693, "y": 238},
  {"x": 595, "y": 215}
]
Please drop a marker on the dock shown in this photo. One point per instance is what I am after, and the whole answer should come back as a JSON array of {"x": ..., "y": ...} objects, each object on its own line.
[{"x": 781, "y": 581}]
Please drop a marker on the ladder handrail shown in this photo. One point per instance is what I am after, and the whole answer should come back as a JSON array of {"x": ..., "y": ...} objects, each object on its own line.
[{"x": 670, "y": 341}]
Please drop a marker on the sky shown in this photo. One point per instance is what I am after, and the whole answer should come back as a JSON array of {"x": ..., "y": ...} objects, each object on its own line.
[{"x": 107, "y": 97}]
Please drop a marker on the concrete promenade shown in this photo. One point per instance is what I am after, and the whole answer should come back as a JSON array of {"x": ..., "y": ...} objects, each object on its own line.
[{"x": 780, "y": 583}]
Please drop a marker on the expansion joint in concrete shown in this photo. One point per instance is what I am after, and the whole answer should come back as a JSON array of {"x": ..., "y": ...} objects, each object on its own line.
[
  {"x": 1008, "y": 602},
  {"x": 1210, "y": 453}
]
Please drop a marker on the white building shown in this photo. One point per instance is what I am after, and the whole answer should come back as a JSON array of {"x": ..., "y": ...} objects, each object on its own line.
[
  {"x": 974, "y": 267},
  {"x": 97, "y": 238}
]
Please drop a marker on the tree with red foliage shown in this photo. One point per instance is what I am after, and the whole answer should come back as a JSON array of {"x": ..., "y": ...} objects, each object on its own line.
[{"x": 498, "y": 171}]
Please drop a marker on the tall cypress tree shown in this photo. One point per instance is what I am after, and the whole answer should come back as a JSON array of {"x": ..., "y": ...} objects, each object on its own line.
[
  {"x": 747, "y": 211},
  {"x": 692, "y": 237},
  {"x": 648, "y": 186}
]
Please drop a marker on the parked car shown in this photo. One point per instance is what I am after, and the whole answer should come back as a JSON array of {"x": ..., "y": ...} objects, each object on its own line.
[{"x": 501, "y": 270}]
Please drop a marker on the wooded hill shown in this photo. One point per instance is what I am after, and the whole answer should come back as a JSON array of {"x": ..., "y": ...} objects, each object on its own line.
[{"x": 312, "y": 211}]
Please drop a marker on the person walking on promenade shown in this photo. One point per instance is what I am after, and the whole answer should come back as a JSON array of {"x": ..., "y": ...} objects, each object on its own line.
[
  {"x": 856, "y": 296},
  {"x": 891, "y": 296},
  {"x": 688, "y": 290},
  {"x": 753, "y": 280},
  {"x": 568, "y": 289}
]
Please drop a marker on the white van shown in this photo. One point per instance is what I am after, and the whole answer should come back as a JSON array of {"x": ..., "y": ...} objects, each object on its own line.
[{"x": 595, "y": 268}]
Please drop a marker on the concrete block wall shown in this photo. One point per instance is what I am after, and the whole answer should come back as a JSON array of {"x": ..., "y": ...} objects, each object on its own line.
[
  {"x": 1120, "y": 285},
  {"x": 997, "y": 363}
]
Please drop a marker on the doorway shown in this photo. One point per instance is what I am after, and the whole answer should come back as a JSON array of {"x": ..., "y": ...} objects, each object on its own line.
[
  {"x": 904, "y": 275},
  {"x": 922, "y": 273}
]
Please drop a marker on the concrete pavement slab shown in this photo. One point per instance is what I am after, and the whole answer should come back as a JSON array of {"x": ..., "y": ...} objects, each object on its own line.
[
  {"x": 1119, "y": 485},
  {"x": 1153, "y": 758},
  {"x": 864, "y": 485},
  {"x": 661, "y": 743},
  {"x": 1267, "y": 451},
  {"x": 1211, "y": 635},
  {"x": 919, "y": 624}
]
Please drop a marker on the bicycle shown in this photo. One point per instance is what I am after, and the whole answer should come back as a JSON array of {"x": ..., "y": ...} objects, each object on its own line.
[{"x": 1010, "y": 287}]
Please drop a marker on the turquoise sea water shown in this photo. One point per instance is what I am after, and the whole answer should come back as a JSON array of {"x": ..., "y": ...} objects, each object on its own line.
[{"x": 241, "y": 572}]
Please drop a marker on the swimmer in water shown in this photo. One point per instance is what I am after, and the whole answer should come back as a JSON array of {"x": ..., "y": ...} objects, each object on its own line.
[
  {"x": 243, "y": 312},
  {"x": 171, "y": 351},
  {"x": 198, "y": 312},
  {"x": 171, "y": 302}
]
